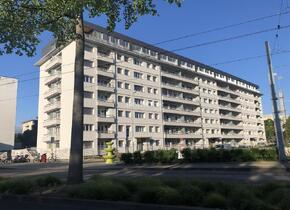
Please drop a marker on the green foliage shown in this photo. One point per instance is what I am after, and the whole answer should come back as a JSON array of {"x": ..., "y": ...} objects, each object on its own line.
[
  {"x": 214, "y": 200},
  {"x": 137, "y": 157},
  {"x": 235, "y": 155},
  {"x": 25, "y": 186},
  {"x": 270, "y": 130},
  {"x": 127, "y": 158},
  {"x": 287, "y": 131},
  {"x": 185, "y": 192},
  {"x": 59, "y": 17}
]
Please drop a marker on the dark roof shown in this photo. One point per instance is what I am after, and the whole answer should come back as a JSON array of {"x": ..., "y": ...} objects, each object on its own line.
[{"x": 160, "y": 50}]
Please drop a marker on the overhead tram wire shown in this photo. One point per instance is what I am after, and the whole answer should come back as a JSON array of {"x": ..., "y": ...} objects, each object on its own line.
[
  {"x": 249, "y": 58},
  {"x": 276, "y": 39},
  {"x": 229, "y": 38},
  {"x": 202, "y": 32},
  {"x": 188, "y": 47},
  {"x": 222, "y": 27}
]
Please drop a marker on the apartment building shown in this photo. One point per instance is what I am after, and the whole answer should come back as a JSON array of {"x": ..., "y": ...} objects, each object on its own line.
[
  {"x": 143, "y": 98},
  {"x": 8, "y": 98}
]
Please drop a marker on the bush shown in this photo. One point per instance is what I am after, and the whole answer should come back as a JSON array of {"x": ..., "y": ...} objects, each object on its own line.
[
  {"x": 214, "y": 200},
  {"x": 186, "y": 154},
  {"x": 137, "y": 157},
  {"x": 149, "y": 157},
  {"x": 16, "y": 186},
  {"x": 191, "y": 195},
  {"x": 48, "y": 181},
  {"x": 166, "y": 156},
  {"x": 127, "y": 158}
]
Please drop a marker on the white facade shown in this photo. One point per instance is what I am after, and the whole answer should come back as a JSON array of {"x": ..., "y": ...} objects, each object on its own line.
[
  {"x": 8, "y": 97},
  {"x": 143, "y": 98}
]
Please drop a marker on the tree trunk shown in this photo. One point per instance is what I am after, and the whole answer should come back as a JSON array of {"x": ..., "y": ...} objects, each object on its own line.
[{"x": 75, "y": 170}]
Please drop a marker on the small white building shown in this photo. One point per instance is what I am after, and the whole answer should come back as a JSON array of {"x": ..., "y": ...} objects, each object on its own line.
[{"x": 8, "y": 97}]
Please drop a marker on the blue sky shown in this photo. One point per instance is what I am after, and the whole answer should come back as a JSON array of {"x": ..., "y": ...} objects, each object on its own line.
[{"x": 194, "y": 16}]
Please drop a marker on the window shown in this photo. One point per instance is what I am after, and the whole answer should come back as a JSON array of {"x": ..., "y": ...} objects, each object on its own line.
[
  {"x": 150, "y": 115},
  {"x": 88, "y": 79},
  {"x": 87, "y": 144},
  {"x": 137, "y": 62},
  {"x": 119, "y": 57},
  {"x": 119, "y": 84},
  {"x": 127, "y": 99},
  {"x": 88, "y": 111},
  {"x": 150, "y": 103},
  {"x": 120, "y": 99},
  {"x": 155, "y": 91},
  {"x": 120, "y": 113},
  {"x": 139, "y": 115},
  {"x": 140, "y": 128},
  {"x": 126, "y": 58},
  {"x": 138, "y": 88},
  {"x": 156, "y": 116},
  {"x": 127, "y": 86},
  {"x": 149, "y": 77},
  {"x": 151, "y": 129},
  {"x": 120, "y": 128},
  {"x": 156, "y": 103},
  {"x": 149, "y": 90},
  {"x": 157, "y": 129},
  {"x": 119, "y": 70},
  {"x": 139, "y": 101},
  {"x": 88, "y": 94},
  {"x": 128, "y": 114},
  {"x": 88, "y": 127},
  {"x": 126, "y": 72},
  {"x": 88, "y": 63},
  {"x": 88, "y": 48},
  {"x": 154, "y": 79},
  {"x": 138, "y": 75}
]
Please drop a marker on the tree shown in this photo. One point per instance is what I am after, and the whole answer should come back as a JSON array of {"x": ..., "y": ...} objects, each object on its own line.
[
  {"x": 22, "y": 21},
  {"x": 270, "y": 130},
  {"x": 286, "y": 127}
]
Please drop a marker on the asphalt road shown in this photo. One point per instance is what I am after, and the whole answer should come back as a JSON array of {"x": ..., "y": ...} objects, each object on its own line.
[{"x": 258, "y": 172}]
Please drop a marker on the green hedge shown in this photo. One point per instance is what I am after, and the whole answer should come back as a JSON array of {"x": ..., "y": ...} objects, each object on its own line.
[
  {"x": 235, "y": 155},
  {"x": 199, "y": 155},
  {"x": 158, "y": 156},
  {"x": 186, "y": 192}
]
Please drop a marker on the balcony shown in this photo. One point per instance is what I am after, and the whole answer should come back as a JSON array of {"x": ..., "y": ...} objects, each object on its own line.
[
  {"x": 182, "y": 123},
  {"x": 53, "y": 63},
  {"x": 178, "y": 77},
  {"x": 182, "y": 135},
  {"x": 181, "y": 111},
  {"x": 52, "y": 78},
  {"x": 106, "y": 119},
  {"x": 231, "y": 117},
  {"x": 180, "y": 88},
  {"x": 106, "y": 103},
  {"x": 89, "y": 135},
  {"x": 51, "y": 137},
  {"x": 180, "y": 99},
  {"x": 52, "y": 92},
  {"x": 106, "y": 135},
  {"x": 232, "y": 136},
  {"x": 231, "y": 126},
  {"x": 106, "y": 87},
  {"x": 51, "y": 122},
  {"x": 230, "y": 108},
  {"x": 229, "y": 99},
  {"x": 108, "y": 57},
  {"x": 52, "y": 106},
  {"x": 228, "y": 90},
  {"x": 105, "y": 72}
]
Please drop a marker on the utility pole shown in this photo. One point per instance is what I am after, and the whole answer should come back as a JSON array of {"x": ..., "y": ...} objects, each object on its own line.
[{"x": 277, "y": 122}]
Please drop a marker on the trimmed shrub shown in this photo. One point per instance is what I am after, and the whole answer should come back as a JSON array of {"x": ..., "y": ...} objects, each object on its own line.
[
  {"x": 191, "y": 195},
  {"x": 137, "y": 157},
  {"x": 127, "y": 158},
  {"x": 214, "y": 200},
  {"x": 149, "y": 157},
  {"x": 186, "y": 154}
]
